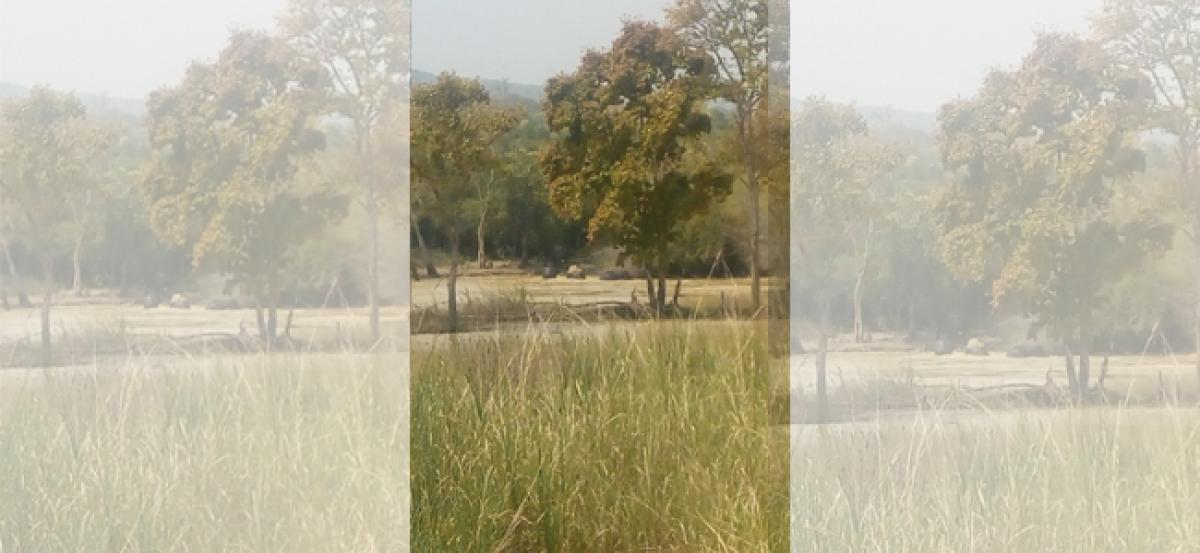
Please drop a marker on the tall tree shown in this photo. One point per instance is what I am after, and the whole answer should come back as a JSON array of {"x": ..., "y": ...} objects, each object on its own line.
[
  {"x": 735, "y": 35},
  {"x": 1040, "y": 153},
  {"x": 364, "y": 46},
  {"x": 228, "y": 143},
  {"x": 454, "y": 132},
  {"x": 1161, "y": 39},
  {"x": 50, "y": 152},
  {"x": 835, "y": 168},
  {"x": 625, "y": 126}
]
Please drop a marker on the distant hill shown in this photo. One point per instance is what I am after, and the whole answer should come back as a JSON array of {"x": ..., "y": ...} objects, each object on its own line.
[
  {"x": 95, "y": 103},
  {"x": 494, "y": 86}
]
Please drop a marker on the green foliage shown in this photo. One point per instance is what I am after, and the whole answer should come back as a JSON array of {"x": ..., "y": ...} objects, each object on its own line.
[
  {"x": 1040, "y": 154},
  {"x": 50, "y": 153},
  {"x": 624, "y": 125},
  {"x": 228, "y": 144},
  {"x": 454, "y": 133},
  {"x": 836, "y": 174}
]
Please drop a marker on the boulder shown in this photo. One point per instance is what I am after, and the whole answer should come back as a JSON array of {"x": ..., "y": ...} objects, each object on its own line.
[
  {"x": 549, "y": 272},
  {"x": 149, "y": 302},
  {"x": 576, "y": 272},
  {"x": 975, "y": 346},
  {"x": 180, "y": 301}
]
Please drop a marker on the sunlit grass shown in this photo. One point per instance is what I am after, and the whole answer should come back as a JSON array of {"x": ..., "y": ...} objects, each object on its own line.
[
  {"x": 253, "y": 453},
  {"x": 1081, "y": 480},
  {"x": 653, "y": 439}
]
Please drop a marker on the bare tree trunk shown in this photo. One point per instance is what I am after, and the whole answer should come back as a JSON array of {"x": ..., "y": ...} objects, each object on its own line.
[
  {"x": 859, "y": 326},
  {"x": 481, "y": 239},
  {"x": 373, "y": 262},
  {"x": 662, "y": 287},
  {"x": 452, "y": 287},
  {"x": 47, "y": 303},
  {"x": 675, "y": 296},
  {"x": 22, "y": 297},
  {"x": 650, "y": 295},
  {"x": 524, "y": 251},
  {"x": 746, "y": 138},
  {"x": 430, "y": 269},
  {"x": 1196, "y": 322},
  {"x": 260, "y": 322},
  {"x": 1072, "y": 376},
  {"x": 77, "y": 266},
  {"x": 1085, "y": 366},
  {"x": 822, "y": 355}
]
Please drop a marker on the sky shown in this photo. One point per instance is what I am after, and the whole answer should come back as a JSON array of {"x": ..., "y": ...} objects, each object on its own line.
[
  {"x": 905, "y": 54},
  {"x": 119, "y": 48},
  {"x": 525, "y": 41},
  {"x": 916, "y": 55}
]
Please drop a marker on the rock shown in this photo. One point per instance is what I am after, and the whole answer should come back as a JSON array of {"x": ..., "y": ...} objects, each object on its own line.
[
  {"x": 149, "y": 302},
  {"x": 180, "y": 301},
  {"x": 576, "y": 272},
  {"x": 1028, "y": 349},
  {"x": 975, "y": 346},
  {"x": 549, "y": 272}
]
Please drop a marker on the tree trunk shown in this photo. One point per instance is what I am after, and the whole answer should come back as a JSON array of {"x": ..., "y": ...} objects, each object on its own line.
[
  {"x": 1085, "y": 367},
  {"x": 524, "y": 251},
  {"x": 430, "y": 269},
  {"x": 859, "y": 326},
  {"x": 1196, "y": 323},
  {"x": 661, "y": 300},
  {"x": 1072, "y": 376},
  {"x": 675, "y": 296},
  {"x": 650, "y": 295},
  {"x": 481, "y": 239},
  {"x": 47, "y": 302},
  {"x": 452, "y": 288},
  {"x": 260, "y": 322},
  {"x": 19, "y": 288},
  {"x": 77, "y": 266},
  {"x": 746, "y": 135},
  {"x": 373, "y": 263},
  {"x": 47, "y": 348},
  {"x": 822, "y": 355}
]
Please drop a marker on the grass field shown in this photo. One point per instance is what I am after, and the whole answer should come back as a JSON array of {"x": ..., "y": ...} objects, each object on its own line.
[
  {"x": 651, "y": 439},
  {"x": 251, "y": 453},
  {"x": 1082, "y": 480}
]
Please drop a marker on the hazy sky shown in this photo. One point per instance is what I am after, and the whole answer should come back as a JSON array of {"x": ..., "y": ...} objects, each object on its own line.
[
  {"x": 525, "y": 41},
  {"x": 916, "y": 54},
  {"x": 908, "y": 54},
  {"x": 123, "y": 48}
]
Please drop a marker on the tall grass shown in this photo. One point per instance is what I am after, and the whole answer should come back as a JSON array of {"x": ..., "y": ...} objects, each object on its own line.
[
  {"x": 1083, "y": 480},
  {"x": 650, "y": 440},
  {"x": 253, "y": 453}
]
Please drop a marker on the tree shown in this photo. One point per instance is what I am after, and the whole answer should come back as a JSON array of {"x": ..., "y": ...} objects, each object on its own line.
[
  {"x": 228, "y": 144},
  {"x": 835, "y": 169},
  {"x": 454, "y": 132},
  {"x": 734, "y": 33},
  {"x": 1040, "y": 154},
  {"x": 50, "y": 152},
  {"x": 1161, "y": 39},
  {"x": 622, "y": 157},
  {"x": 364, "y": 46}
]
